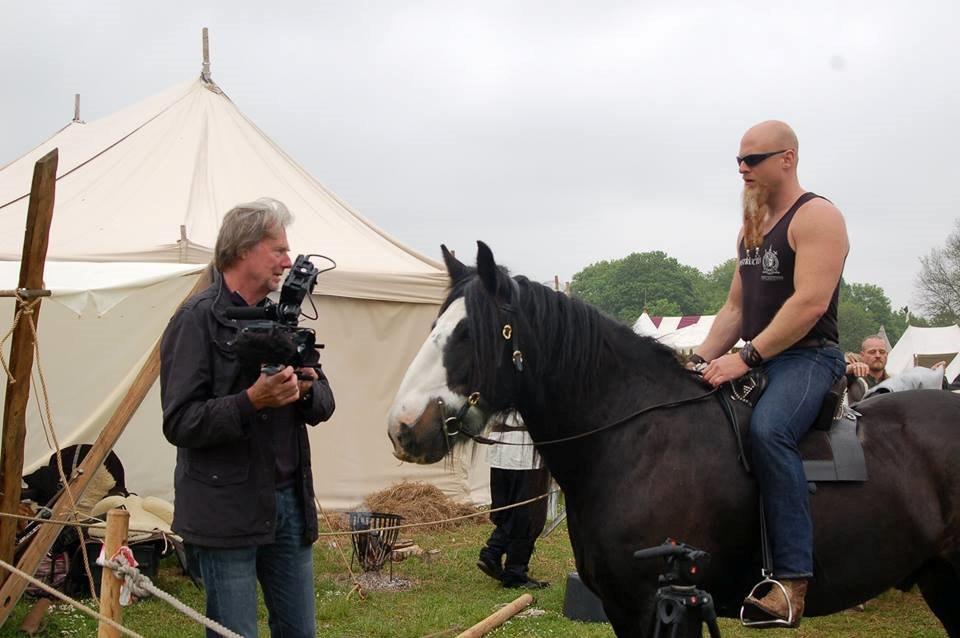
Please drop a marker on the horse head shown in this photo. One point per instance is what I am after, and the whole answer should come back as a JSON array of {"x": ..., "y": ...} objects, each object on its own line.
[{"x": 463, "y": 374}]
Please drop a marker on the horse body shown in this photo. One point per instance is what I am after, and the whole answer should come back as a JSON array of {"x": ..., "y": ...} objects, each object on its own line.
[{"x": 674, "y": 472}]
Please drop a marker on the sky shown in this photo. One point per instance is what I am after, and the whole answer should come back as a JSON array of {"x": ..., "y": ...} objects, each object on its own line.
[{"x": 560, "y": 133}]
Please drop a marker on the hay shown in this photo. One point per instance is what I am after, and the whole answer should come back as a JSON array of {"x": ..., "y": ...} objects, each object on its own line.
[{"x": 416, "y": 503}]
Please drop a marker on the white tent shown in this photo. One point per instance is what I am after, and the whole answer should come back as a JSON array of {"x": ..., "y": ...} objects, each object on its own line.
[
  {"x": 682, "y": 333},
  {"x": 140, "y": 195},
  {"x": 926, "y": 346}
]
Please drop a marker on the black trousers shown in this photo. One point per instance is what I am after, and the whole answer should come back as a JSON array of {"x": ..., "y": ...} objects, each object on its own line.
[{"x": 516, "y": 529}]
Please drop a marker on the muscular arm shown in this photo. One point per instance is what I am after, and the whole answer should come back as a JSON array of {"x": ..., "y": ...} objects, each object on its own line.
[
  {"x": 725, "y": 330},
  {"x": 818, "y": 236}
]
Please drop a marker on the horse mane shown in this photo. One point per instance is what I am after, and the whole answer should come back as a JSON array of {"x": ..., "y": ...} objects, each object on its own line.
[{"x": 569, "y": 342}]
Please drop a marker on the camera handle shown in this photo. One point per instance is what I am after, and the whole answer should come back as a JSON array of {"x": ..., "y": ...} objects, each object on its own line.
[{"x": 271, "y": 369}]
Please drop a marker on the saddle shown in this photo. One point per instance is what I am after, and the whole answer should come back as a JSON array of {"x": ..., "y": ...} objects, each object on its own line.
[{"x": 831, "y": 450}]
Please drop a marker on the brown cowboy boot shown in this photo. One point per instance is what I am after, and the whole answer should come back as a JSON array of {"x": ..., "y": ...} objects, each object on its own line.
[{"x": 777, "y": 606}]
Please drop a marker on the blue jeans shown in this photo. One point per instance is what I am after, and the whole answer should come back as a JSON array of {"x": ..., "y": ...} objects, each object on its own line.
[
  {"x": 284, "y": 569},
  {"x": 798, "y": 379}
]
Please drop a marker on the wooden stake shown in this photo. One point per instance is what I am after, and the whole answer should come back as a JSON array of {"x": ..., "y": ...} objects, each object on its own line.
[
  {"x": 118, "y": 522},
  {"x": 13, "y": 588},
  {"x": 497, "y": 618},
  {"x": 33, "y": 621},
  {"x": 32, "y": 260}
]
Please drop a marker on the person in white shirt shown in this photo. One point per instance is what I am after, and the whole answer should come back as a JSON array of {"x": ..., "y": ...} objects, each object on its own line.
[{"x": 516, "y": 474}]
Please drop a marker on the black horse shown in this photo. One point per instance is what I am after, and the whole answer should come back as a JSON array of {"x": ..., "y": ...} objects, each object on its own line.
[{"x": 673, "y": 472}]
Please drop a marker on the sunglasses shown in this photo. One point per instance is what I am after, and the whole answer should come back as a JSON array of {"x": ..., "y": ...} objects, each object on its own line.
[{"x": 755, "y": 158}]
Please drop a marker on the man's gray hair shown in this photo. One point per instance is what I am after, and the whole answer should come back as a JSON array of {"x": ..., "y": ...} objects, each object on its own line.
[
  {"x": 877, "y": 337},
  {"x": 245, "y": 226}
]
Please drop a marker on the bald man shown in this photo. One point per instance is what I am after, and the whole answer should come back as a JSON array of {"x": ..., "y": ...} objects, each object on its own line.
[{"x": 783, "y": 304}]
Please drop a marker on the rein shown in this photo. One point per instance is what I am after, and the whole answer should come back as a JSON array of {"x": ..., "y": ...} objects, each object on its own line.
[{"x": 452, "y": 424}]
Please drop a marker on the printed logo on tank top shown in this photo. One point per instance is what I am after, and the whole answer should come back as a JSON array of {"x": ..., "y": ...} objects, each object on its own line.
[
  {"x": 771, "y": 266},
  {"x": 751, "y": 261}
]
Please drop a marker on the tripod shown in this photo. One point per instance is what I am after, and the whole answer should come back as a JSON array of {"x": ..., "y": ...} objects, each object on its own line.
[{"x": 682, "y": 608}]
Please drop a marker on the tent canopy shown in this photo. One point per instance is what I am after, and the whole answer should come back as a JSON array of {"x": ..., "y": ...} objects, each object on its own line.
[
  {"x": 152, "y": 182},
  {"x": 683, "y": 333},
  {"x": 925, "y": 347},
  {"x": 140, "y": 196}
]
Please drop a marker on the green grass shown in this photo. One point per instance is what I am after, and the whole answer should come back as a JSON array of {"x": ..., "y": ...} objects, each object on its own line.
[{"x": 450, "y": 592}]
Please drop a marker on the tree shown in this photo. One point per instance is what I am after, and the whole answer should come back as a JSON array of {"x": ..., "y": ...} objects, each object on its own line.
[
  {"x": 862, "y": 310},
  {"x": 624, "y": 287},
  {"x": 938, "y": 286},
  {"x": 716, "y": 285}
]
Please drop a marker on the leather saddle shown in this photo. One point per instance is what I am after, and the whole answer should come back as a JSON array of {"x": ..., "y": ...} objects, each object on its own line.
[{"x": 831, "y": 449}]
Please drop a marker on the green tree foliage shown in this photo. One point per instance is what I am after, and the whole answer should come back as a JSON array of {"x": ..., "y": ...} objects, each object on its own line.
[
  {"x": 654, "y": 280},
  {"x": 938, "y": 286},
  {"x": 664, "y": 286},
  {"x": 862, "y": 311}
]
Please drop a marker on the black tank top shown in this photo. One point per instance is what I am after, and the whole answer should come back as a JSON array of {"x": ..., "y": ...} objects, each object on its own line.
[{"x": 766, "y": 274}]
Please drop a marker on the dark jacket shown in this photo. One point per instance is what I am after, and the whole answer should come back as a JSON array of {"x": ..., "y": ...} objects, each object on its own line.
[{"x": 224, "y": 479}]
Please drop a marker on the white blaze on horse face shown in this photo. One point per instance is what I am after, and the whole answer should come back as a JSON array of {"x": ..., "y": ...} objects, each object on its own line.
[{"x": 426, "y": 378}]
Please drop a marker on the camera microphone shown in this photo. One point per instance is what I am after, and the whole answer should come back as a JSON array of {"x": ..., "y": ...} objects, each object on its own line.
[{"x": 251, "y": 312}]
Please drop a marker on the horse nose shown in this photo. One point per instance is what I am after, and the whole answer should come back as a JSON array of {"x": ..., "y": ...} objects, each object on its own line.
[{"x": 398, "y": 433}]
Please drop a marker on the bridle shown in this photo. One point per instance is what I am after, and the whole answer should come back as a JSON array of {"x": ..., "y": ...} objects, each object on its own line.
[{"x": 453, "y": 424}]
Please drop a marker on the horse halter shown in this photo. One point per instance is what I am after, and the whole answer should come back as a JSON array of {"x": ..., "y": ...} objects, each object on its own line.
[{"x": 453, "y": 424}]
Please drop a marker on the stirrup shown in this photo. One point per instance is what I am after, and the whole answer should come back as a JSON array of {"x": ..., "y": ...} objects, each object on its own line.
[{"x": 771, "y": 621}]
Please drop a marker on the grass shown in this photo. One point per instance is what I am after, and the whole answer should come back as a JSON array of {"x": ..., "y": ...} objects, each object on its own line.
[{"x": 450, "y": 592}]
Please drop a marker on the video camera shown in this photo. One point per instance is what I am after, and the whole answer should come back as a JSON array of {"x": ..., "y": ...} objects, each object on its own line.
[{"x": 272, "y": 339}]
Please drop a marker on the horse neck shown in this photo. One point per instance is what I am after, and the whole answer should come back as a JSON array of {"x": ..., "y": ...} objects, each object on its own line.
[{"x": 575, "y": 387}]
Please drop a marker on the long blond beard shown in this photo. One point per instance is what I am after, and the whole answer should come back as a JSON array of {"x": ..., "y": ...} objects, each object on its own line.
[{"x": 756, "y": 207}]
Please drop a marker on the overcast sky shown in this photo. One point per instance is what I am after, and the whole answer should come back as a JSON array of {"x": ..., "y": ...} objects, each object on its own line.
[{"x": 561, "y": 133}]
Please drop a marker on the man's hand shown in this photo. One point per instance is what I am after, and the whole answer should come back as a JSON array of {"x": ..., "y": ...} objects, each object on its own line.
[
  {"x": 306, "y": 378},
  {"x": 858, "y": 369},
  {"x": 726, "y": 368},
  {"x": 274, "y": 390}
]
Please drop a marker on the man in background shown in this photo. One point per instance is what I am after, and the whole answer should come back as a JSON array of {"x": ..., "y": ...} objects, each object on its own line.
[
  {"x": 870, "y": 370},
  {"x": 517, "y": 474}
]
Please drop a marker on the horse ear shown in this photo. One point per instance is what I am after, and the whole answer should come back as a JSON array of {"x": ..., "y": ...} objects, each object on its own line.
[
  {"x": 487, "y": 268},
  {"x": 455, "y": 268}
]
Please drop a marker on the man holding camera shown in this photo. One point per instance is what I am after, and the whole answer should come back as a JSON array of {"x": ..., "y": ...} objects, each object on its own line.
[{"x": 244, "y": 488}]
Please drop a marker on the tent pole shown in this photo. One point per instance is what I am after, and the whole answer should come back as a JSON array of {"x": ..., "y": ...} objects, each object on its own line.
[
  {"x": 205, "y": 72},
  {"x": 32, "y": 261},
  {"x": 14, "y": 587}
]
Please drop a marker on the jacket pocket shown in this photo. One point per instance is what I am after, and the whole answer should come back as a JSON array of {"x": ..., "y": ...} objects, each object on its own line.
[{"x": 220, "y": 465}]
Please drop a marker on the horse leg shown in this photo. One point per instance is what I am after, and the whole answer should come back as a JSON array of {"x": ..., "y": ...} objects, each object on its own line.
[{"x": 939, "y": 583}]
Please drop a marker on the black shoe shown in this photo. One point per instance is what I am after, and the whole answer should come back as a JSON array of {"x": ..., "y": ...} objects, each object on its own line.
[
  {"x": 528, "y": 583},
  {"x": 489, "y": 567}
]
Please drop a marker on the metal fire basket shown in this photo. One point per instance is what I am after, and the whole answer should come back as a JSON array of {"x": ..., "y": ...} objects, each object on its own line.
[{"x": 372, "y": 548}]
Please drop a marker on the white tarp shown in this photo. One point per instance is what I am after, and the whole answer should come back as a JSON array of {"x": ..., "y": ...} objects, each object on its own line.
[
  {"x": 126, "y": 184},
  {"x": 667, "y": 330},
  {"x": 916, "y": 346}
]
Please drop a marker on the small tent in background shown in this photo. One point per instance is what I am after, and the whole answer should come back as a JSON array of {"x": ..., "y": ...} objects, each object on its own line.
[
  {"x": 140, "y": 195},
  {"x": 644, "y": 326},
  {"x": 684, "y": 333},
  {"x": 925, "y": 347}
]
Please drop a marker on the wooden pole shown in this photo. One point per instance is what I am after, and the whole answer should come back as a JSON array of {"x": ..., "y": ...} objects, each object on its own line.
[
  {"x": 497, "y": 618},
  {"x": 118, "y": 522},
  {"x": 34, "y": 256},
  {"x": 76, "y": 107},
  {"x": 205, "y": 72},
  {"x": 33, "y": 621},
  {"x": 13, "y": 588}
]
